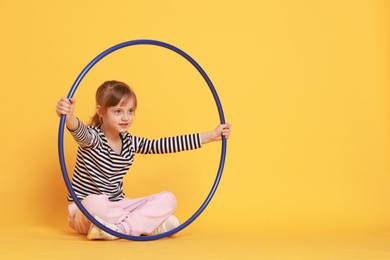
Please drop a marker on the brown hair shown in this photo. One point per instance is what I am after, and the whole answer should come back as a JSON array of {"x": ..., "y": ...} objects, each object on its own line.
[{"x": 109, "y": 94}]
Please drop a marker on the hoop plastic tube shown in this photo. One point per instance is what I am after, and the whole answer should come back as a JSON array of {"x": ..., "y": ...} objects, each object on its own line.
[{"x": 61, "y": 139}]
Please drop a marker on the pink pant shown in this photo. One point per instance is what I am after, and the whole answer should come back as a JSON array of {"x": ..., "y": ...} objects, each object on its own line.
[{"x": 137, "y": 216}]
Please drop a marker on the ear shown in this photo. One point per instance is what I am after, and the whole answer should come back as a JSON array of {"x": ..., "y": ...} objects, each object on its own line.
[{"x": 99, "y": 110}]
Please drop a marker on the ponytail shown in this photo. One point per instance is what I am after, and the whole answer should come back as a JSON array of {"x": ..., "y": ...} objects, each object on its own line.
[{"x": 96, "y": 120}]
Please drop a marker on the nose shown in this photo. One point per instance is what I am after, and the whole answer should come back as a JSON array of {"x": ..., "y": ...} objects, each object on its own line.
[{"x": 125, "y": 117}]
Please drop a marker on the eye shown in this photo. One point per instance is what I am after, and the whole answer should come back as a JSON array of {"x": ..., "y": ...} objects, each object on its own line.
[{"x": 117, "y": 111}]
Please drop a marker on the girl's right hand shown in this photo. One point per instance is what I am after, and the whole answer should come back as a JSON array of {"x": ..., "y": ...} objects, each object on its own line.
[{"x": 65, "y": 106}]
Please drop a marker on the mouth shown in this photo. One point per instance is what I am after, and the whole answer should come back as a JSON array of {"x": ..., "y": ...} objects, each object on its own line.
[{"x": 124, "y": 125}]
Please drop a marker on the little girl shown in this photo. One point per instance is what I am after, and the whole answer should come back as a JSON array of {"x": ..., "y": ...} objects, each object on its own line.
[{"x": 105, "y": 154}]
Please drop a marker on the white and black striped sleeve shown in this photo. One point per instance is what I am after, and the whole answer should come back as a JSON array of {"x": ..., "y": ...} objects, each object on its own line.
[
  {"x": 167, "y": 144},
  {"x": 85, "y": 136}
]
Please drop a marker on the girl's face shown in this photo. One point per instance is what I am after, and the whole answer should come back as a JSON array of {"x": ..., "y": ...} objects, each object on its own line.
[{"x": 118, "y": 119}]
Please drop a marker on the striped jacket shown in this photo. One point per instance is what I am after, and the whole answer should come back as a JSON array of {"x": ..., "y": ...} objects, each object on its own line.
[{"x": 100, "y": 170}]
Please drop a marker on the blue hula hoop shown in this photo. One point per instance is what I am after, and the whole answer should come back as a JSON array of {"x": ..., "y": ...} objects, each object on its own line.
[{"x": 61, "y": 140}]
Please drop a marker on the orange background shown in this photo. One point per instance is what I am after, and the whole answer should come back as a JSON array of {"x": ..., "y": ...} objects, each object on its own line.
[{"x": 304, "y": 83}]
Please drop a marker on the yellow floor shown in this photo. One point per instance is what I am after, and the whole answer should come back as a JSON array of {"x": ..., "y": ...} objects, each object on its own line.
[{"x": 51, "y": 243}]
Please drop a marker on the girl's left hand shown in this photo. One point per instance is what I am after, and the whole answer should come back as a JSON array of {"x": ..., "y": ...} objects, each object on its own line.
[
  {"x": 222, "y": 130},
  {"x": 216, "y": 135}
]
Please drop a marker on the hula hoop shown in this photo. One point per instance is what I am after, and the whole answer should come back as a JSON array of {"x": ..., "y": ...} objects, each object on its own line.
[{"x": 61, "y": 140}]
